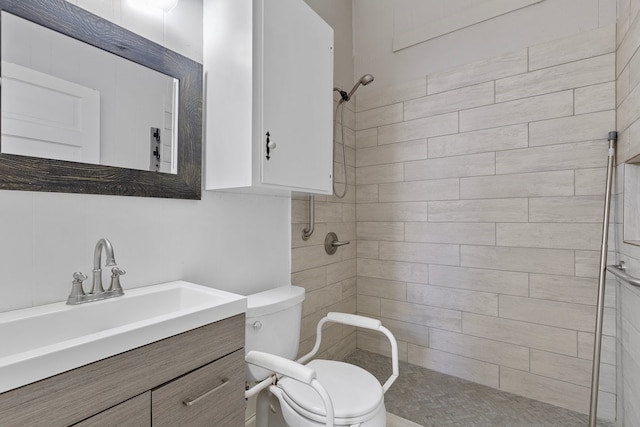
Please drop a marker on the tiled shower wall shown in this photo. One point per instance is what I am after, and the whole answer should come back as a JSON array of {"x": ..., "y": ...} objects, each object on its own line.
[
  {"x": 628, "y": 100},
  {"x": 329, "y": 280},
  {"x": 479, "y": 207}
]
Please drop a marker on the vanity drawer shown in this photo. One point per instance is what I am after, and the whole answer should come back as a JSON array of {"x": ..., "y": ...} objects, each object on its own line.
[
  {"x": 208, "y": 396},
  {"x": 134, "y": 412}
]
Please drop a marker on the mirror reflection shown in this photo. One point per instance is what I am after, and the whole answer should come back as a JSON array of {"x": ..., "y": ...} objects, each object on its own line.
[{"x": 66, "y": 100}]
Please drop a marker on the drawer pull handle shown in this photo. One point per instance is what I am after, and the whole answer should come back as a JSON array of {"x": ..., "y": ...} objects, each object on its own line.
[{"x": 190, "y": 402}]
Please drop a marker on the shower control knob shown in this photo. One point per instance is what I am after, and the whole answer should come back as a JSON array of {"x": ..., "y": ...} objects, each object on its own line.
[{"x": 257, "y": 325}]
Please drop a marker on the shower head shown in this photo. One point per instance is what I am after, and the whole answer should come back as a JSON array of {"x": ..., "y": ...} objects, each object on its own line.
[{"x": 364, "y": 80}]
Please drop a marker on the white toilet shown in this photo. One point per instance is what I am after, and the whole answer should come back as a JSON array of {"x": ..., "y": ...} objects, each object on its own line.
[{"x": 308, "y": 394}]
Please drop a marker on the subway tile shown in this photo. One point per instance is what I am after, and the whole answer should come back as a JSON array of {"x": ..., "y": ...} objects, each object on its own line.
[
  {"x": 366, "y": 138},
  {"x": 600, "y": 97},
  {"x": 566, "y": 209},
  {"x": 375, "y": 343},
  {"x": 387, "y": 289},
  {"x": 552, "y": 391},
  {"x": 497, "y": 281},
  {"x": 379, "y": 116},
  {"x": 425, "y": 253},
  {"x": 629, "y": 109},
  {"x": 583, "y": 45},
  {"x": 490, "y": 210},
  {"x": 421, "y": 314},
  {"x": 455, "y": 232},
  {"x": 628, "y": 46},
  {"x": 587, "y": 262},
  {"x": 380, "y": 230},
  {"x": 378, "y": 96},
  {"x": 487, "y": 140},
  {"x": 541, "y": 107},
  {"x": 349, "y": 288},
  {"x": 549, "y": 235},
  {"x": 455, "y": 299},
  {"x": 311, "y": 279},
  {"x": 393, "y": 153},
  {"x": 393, "y": 270},
  {"x": 499, "y": 353},
  {"x": 557, "y": 340},
  {"x": 590, "y": 182},
  {"x": 458, "y": 366},
  {"x": 453, "y": 100},
  {"x": 367, "y": 249},
  {"x": 415, "y": 191},
  {"x": 584, "y": 127},
  {"x": 308, "y": 257},
  {"x": 570, "y": 369},
  {"x": 578, "y": 317},
  {"x": 418, "y": 128},
  {"x": 392, "y": 172},
  {"x": 407, "y": 211},
  {"x": 634, "y": 71},
  {"x": 533, "y": 260},
  {"x": 578, "y": 290},
  {"x": 321, "y": 298},
  {"x": 535, "y": 184},
  {"x": 367, "y": 193},
  {"x": 478, "y": 72},
  {"x": 342, "y": 270},
  {"x": 577, "y": 155},
  {"x": 585, "y": 72},
  {"x": 408, "y": 332},
  {"x": 368, "y": 305},
  {"x": 451, "y": 167},
  {"x": 622, "y": 86}
]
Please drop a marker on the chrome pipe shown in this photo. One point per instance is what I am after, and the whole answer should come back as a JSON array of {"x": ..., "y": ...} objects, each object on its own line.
[
  {"x": 307, "y": 232},
  {"x": 602, "y": 276},
  {"x": 618, "y": 270}
]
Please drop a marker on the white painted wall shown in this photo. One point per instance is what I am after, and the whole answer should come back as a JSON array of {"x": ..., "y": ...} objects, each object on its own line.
[
  {"x": 338, "y": 14},
  {"x": 235, "y": 242},
  {"x": 376, "y": 22}
]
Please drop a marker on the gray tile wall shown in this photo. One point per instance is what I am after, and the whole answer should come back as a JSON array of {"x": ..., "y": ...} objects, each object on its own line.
[
  {"x": 479, "y": 196},
  {"x": 628, "y": 109},
  {"x": 329, "y": 280}
]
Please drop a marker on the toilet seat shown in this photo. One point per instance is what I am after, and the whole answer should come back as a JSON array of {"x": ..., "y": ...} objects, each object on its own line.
[{"x": 355, "y": 393}]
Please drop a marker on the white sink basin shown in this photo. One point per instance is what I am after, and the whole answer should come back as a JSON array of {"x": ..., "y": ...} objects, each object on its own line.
[{"x": 38, "y": 342}]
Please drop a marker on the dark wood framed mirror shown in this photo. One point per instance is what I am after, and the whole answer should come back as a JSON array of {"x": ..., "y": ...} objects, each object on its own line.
[{"x": 19, "y": 172}]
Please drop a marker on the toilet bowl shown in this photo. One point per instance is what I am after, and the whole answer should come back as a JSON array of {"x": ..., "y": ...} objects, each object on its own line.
[{"x": 322, "y": 392}]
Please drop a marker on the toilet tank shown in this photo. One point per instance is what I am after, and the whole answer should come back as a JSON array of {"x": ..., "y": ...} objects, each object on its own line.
[{"x": 272, "y": 325}]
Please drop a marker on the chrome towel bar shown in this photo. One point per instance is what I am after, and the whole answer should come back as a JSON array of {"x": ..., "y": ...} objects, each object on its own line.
[{"x": 619, "y": 271}]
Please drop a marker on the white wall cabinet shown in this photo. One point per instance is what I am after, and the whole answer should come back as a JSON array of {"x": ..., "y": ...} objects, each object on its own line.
[{"x": 269, "y": 79}]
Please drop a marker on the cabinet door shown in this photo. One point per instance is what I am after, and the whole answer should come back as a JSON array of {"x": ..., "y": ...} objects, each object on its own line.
[
  {"x": 135, "y": 412},
  {"x": 204, "y": 397},
  {"x": 297, "y": 93}
]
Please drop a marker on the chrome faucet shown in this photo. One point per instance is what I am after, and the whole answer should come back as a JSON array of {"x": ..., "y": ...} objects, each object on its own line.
[
  {"x": 97, "y": 264},
  {"x": 78, "y": 296}
]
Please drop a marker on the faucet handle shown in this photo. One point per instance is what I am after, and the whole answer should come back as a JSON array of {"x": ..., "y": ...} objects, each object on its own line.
[
  {"x": 79, "y": 277},
  {"x": 77, "y": 292},
  {"x": 115, "y": 286}
]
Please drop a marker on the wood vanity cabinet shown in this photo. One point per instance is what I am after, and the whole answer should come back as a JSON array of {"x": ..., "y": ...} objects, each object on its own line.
[{"x": 148, "y": 385}]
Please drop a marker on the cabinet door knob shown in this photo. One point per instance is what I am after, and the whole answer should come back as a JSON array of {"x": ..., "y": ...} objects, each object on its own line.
[{"x": 271, "y": 145}]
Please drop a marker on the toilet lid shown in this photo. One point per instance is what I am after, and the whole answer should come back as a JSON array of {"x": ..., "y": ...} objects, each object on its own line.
[{"x": 353, "y": 391}]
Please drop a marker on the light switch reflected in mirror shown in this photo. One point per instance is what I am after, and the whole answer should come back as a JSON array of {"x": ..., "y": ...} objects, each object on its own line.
[{"x": 64, "y": 99}]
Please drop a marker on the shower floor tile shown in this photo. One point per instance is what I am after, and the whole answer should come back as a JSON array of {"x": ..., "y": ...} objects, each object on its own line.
[{"x": 430, "y": 398}]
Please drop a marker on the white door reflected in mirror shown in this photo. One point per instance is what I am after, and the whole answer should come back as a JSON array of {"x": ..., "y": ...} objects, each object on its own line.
[{"x": 63, "y": 99}]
